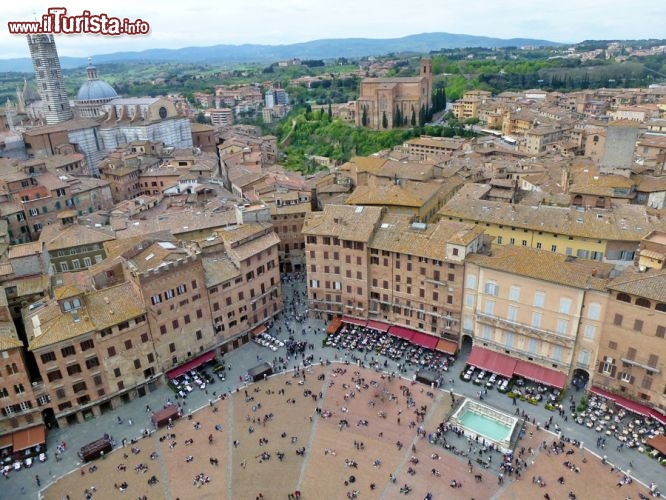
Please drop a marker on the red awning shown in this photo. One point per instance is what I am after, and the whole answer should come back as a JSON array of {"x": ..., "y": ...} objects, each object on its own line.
[
  {"x": 27, "y": 438},
  {"x": 191, "y": 365},
  {"x": 334, "y": 326},
  {"x": 630, "y": 405},
  {"x": 378, "y": 325},
  {"x": 424, "y": 340},
  {"x": 354, "y": 321},
  {"x": 402, "y": 332},
  {"x": 6, "y": 441},
  {"x": 658, "y": 443},
  {"x": 258, "y": 330},
  {"x": 447, "y": 346},
  {"x": 541, "y": 374},
  {"x": 492, "y": 361}
]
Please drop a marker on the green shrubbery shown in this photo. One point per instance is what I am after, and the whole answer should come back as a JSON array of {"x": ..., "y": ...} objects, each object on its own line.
[{"x": 582, "y": 405}]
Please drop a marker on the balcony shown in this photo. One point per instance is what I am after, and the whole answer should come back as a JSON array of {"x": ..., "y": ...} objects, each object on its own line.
[
  {"x": 529, "y": 331},
  {"x": 648, "y": 368}
]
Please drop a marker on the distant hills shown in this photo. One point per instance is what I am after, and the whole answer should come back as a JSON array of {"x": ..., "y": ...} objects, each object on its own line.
[{"x": 315, "y": 49}]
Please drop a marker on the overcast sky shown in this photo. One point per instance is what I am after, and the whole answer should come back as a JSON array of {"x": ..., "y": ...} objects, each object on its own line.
[{"x": 203, "y": 22}]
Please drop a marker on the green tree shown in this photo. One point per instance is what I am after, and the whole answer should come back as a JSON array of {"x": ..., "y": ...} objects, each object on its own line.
[
  {"x": 201, "y": 118},
  {"x": 330, "y": 112},
  {"x": 397, "y": 117},
  {"x": 413, "y": 120},
  {"x": 364, "y": 116},
  {"x": 384, "y": 120}
]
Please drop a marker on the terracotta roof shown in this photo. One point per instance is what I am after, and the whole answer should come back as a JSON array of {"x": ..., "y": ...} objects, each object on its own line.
[
  {"x": 296, "y": 208},
  {"x": 74, "y": 235},
  {"x": 622, "y": 223},
  {"x": 29, "y": 285},
  {"x": 8, "y": 337},
  {"x": 649, "y": 184},
  {"x": 405, "y": 194},
  {"x": 51, "y": 182},
  {"x": 366, "y": 163},
  {"x": 412, "y": 170},
  {"x": 218, "y": 270},
  {"x": 393, "y": 80},
  {"x": 396, "y": 234},
  {"x": 344, "y": 222},
  {"x": 544, "y": 265},
  {"x": 101, "y": 309},
  {"x": 245, "y": 240},
  {"x": 601, "y": 185},
  {"x": 156, "y": 255},
  {"x": 6, "y": 269},
  {"x": 651, "y": 284},
  {"x": 66, "y": 126},
  {"x": 437, "y": 142},
  {"x": 65, "y": 292},
  {"x": 25, "y": 249},
  {"x": 115, "y": 248},
  {"x": 177, "y": 223}
]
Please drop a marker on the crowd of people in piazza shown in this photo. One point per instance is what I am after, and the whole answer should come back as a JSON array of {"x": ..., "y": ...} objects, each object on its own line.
[{"x": 298, "y": 346}]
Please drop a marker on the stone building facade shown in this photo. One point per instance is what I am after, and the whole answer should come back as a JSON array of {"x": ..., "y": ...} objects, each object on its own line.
[
  {"x": 364, "y": 262},
  {"x": 631, "y": 359},
  {"x": 380, "y": 98}
]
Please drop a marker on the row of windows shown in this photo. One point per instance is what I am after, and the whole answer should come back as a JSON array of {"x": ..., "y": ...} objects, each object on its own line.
[
  {"x": 124, "y": 325},
  {"x": 74, "y": 251},
  {"x": 641, "y": 302},
  {"x": 67, "y": 351},
  {"x": 76, "y": 263},
  {"x": 581, "y": 252},
  {"x": 77, "y": 387},
  {"x": 112, "y": 351},
  {"x": 618, "y": 319},
  {"x": 539, "y": 300},
  {"x": 17, "y": 408},
  {"x": 18, "y": 389},
  {"x": 171, "y": 293},
  {"x": 175, "y": 323}
]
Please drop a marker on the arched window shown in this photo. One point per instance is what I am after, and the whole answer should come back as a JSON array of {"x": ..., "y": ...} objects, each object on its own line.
[
  {"x": 601, "y": 202},
  {"x": 578, "y": 200},
  {"x": 66, "y": 305},
  {"x": 643, "y": 302},
  {"x": 661, "y": 307},
  {"x": 623, "y": 297},
  {"x": 76, "y": 303},
  {"x": 383, "y": 103}
]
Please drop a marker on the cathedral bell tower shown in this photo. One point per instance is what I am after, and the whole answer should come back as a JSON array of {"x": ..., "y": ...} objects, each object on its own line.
[{"x": 50, "y": 84}]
